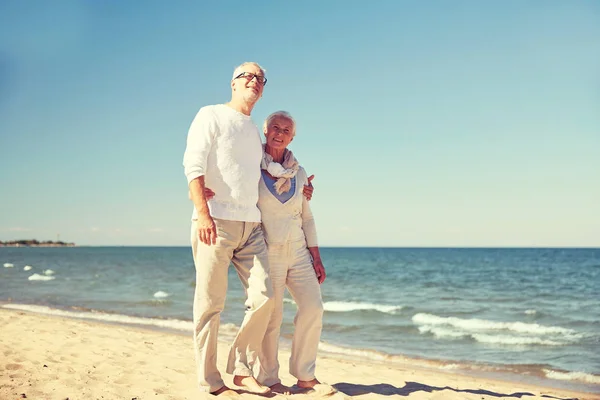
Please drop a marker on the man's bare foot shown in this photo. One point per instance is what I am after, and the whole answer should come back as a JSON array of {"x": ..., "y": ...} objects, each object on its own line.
[
  {"x": 250, "y": 384},
  {"x": 280, "y": 388},
  {"x": 307, "y": 384},
  {"x": 226, "y": 393}
]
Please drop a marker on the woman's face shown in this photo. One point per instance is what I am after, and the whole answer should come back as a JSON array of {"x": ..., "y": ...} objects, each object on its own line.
[{"x": 280, "y": 132}]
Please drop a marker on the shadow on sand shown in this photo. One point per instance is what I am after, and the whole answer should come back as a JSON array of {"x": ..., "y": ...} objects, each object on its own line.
[{"x": 385, "y": 389}]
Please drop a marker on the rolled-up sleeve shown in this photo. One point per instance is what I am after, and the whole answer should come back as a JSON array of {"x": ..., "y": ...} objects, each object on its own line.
[
  {"x": 308, "y": 224},
  {"x": 199, "y": 143},
  {"x": 308, "y": 221}
]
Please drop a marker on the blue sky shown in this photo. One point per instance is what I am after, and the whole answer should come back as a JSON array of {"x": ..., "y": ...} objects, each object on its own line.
[{"x": 433, "y": 123}]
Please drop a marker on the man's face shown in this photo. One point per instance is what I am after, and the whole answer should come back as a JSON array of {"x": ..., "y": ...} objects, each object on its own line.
[{"x": 248, "y": 86}]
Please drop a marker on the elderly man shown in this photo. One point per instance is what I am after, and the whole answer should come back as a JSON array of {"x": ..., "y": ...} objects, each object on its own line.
[{"x": 224, "y": 153}]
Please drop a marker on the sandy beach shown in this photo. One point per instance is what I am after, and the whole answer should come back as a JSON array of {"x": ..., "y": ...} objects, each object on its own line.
[{"x": 47, "y": 358}]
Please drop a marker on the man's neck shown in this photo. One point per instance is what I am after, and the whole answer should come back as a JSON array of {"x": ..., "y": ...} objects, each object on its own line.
[{"x": 241, "y": 106}]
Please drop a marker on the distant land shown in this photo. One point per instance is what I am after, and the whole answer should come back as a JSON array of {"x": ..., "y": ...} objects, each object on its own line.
[{"x": 35, "y": 243}]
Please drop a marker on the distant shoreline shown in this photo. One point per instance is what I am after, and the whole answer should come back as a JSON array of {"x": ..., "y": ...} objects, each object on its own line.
[
  {"x": 596, "y": 247},
  {"x": 35, "y": 243}
]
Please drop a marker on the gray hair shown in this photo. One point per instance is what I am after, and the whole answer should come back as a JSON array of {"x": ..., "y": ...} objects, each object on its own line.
[
  {"x": 238, "y": 69},
  {"x": 283, "y": 114}
]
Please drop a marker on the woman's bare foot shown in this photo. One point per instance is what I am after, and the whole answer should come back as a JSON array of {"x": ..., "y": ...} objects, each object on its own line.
[
  {"x": 226, "y": 393},
  {"x": 280, "y": 388},
  {"x": 250, "y": 384},
  {"x": 314, "y": 386}
]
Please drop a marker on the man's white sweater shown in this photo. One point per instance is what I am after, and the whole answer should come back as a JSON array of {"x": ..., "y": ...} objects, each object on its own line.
[{"x": 224, "y": 146}]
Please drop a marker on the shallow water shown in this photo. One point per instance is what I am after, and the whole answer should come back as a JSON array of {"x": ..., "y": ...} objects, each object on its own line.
[{"x": 533, "y": 312}]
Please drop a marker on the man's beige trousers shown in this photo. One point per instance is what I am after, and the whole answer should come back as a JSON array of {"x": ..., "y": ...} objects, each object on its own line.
[
  {"x": 291, "y": 267},
  {"x": 243, "y": 244}
]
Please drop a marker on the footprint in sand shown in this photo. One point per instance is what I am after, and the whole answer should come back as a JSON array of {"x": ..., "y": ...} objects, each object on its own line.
[{"x": 13, "y": 367}]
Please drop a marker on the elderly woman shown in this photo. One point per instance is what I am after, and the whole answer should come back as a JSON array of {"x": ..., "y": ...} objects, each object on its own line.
[
  {"x": 294, "y": 258},
  {"x": 295, "y": 262}
]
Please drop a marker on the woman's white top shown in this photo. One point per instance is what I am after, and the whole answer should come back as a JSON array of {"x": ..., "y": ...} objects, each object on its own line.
[{"x": 289, "y": 221}]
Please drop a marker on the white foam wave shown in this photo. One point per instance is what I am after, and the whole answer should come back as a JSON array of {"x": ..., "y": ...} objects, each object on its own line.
[
  {"x": 343, "y": 306},
  {"x": 441, "y": 332},
  {"x": 370, "y": 354},
  {"x": 530, "y": 312},
  {"x": 229, "y": 330},
  {"x": 27, "y": 268},
  {"x": 515, "y": 340},
  {"x": 495, "y": 333},
  {"x": 448, "y": 332},
  {"x": 289, "y": 301},
  {"x": 117, "y": 318},
  {"x": 49, "y": 272},
  {"x": 572, "y": 376},
  {"x": 451, "y": 366},
  {"x": 161, "y": 295},
  {"x": 474, "y": 324},
  {"x": 8, "y": 265},
  {"x": 38, "y": 277}
]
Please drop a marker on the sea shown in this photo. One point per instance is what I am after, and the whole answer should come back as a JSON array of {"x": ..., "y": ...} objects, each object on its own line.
[{"x": 524, "y": 314}]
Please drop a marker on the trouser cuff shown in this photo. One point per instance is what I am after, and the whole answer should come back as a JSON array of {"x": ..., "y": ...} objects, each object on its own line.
[
  {"x": 271, "y": 381},
  {"x": 242, "y": 372}
]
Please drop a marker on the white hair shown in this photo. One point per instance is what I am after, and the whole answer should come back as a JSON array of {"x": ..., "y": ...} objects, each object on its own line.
[
  {"x": 238, "y": 69},
  {"x": 282, "y": 114}
]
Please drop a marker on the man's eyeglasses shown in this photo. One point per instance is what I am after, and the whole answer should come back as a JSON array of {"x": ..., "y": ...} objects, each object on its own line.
[{"x": 249, "y": 76}]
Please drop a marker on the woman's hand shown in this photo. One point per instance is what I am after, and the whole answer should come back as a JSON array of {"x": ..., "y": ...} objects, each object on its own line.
[
  {"x": 308, "y": 189},
  {"x": 319, "y": 270},
  {"x": 209, "y": 194}
]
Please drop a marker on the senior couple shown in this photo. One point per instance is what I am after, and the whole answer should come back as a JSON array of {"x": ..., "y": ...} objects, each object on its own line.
[{"x": 251, "y": 210}]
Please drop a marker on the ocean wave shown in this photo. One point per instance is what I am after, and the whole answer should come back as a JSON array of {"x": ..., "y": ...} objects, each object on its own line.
[
  {"x": 447, "y": 332},
  {"x": 572, "y": 376},
  {"x": 27, "y": 268},
  {"x": 348, "y": 306},
  {"x": 442, "y": 332},
  {"x": 161, "y": 295},
  {"x": 495, "y": 333},
  {"x": 38, "y": 277},
  {"x": 515, "y": 340},
  {"x": 361, "y": 353},
  {"x": 475, "y": 324},
  {"x": 229, "y": 330},
  {"x": 449, "y": 365},
  {"x": 97, "y": 316},
  {"x": 9, "y": 265}
]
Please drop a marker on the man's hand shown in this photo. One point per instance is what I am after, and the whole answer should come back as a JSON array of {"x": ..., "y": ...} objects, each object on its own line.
[
  {"x": 207, "y": 230},
  {"x": 308, "y": 189},
  {"x": 319, "y": 270}
]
